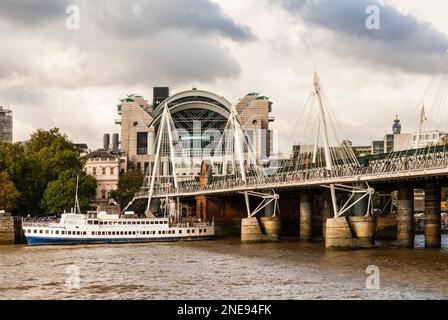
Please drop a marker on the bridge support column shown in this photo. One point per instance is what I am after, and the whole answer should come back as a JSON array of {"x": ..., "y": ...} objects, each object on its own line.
[
  {"x": 405, "y": 218},
  {"x": 327, "y": 210},
  {"x": 306, "y": 221},
  {"x": 201, "y": 207},
  {"x": 360, "y": 208},
  {"x": 432, "y": 216}
]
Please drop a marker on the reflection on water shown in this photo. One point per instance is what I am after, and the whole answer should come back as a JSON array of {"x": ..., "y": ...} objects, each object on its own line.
[{"x": 222, "y": 269}]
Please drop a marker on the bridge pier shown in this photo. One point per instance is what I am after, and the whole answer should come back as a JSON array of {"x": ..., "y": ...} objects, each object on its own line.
[
  {"x": 265, "y": 229},
  {"x": 386, "y": 222},
  {"x": 327, "y": 210},
  {"x": 405, "y": 218},
  {"x": 432, "y": 216},
  {"x": 306, "y": 218},
  {"x": 350, "y": 233},
  {"x": 360, "y": 208}
]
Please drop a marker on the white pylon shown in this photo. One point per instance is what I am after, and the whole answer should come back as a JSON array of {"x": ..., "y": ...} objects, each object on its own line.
[{"x": 165, "y": 123}]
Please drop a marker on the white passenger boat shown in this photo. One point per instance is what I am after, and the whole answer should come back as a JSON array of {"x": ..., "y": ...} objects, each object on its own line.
[{"x": 101, "y": 227}]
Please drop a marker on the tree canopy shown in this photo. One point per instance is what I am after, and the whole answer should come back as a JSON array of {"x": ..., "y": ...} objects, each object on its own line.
[
  {"x": 128, "y": 184},
  {"x": 60, "y": 194},
  {"x": 8, "y": 192},
  {"x": 31, "y": 165}
]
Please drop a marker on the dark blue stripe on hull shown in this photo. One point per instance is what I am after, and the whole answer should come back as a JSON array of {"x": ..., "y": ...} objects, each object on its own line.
[{"x": 33, "y": 241}]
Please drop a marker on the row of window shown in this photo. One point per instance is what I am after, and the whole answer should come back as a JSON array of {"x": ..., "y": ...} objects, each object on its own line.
[
  {"x": 112, "y": 233},
  {"x": 103, "y": 170},
  {"x": 126, "y": 222}
]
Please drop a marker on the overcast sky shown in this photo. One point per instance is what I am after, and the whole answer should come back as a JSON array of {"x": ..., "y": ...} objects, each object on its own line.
[{"x": 51, "y": 76}]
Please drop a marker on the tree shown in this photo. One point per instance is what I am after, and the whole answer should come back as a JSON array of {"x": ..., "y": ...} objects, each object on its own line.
[
  {"x": 8, "y": 192},
  {"x": 60, "y": 194},
  {"x": 128, "y": 184}
]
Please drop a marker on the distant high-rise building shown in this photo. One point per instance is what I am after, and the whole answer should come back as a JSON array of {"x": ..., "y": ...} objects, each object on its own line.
[{"x": 5, "y": 125}]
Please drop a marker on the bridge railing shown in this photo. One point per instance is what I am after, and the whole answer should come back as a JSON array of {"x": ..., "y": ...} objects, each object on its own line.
[{"x": 386, "y": 167}]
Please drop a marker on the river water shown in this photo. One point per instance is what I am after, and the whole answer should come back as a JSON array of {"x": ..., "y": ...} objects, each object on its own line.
[{"x": 221, "y": 269}]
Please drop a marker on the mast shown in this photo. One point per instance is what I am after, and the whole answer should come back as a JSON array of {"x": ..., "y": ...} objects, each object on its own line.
[{"x": 77, "y": 207}]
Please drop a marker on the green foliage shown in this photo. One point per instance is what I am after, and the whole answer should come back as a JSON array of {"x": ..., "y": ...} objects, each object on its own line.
[
  {"x": 8, "y": 192},
  {"x": 35, "y": 163},
  {"x": 60, "y": 194},
  {"x": 128, "y": 184}
]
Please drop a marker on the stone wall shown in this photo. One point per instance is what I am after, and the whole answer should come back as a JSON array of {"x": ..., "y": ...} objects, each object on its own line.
[{"x": 6, "y": 230}]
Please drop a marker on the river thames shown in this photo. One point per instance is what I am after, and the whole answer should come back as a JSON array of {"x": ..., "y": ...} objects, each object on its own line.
[{"x": 221, "y": 269}]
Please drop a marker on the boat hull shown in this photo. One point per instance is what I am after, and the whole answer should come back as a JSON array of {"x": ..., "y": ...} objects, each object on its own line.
[{"x": 36, "y": 241}]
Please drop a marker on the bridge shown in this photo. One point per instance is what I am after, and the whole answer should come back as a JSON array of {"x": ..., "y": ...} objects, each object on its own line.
[{"x": 326, "y": 164}]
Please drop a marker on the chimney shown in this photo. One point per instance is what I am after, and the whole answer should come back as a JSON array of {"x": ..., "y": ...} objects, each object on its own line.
[
  {"x": 106, "y": 141},
  {"x": 115, "y": 140}
]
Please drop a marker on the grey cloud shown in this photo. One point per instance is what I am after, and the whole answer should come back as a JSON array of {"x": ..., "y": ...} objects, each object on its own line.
[
  {"x": 32, "y": 12},
  {"x": 403, "y": 41},
  {"x": 119, "y": 43},
  {"x": 147, "y": 18}
]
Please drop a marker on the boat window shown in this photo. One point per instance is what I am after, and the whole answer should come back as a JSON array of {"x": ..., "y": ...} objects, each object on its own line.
[
  {"x": 133, "y": 232},
  {"x": 84, "y": 233},
  {"x": 35, "y": 231},
  {"x": 89, "y": 221},
  {"x": 62, "y": 232},
  {"x": 138, "y": 222},
  {"x": 152, "y": 222},
  {"x": 160, "y": 232},
  {"x": 200, "y": 230},
  {"x": 57, "y": 231},
  {"x": 165, "y": 222},
  {"x": 192, "y": 231},
  {"x": 109, "y": 233},
  {"x": 180, "y": 231},
  {"x": 95, "y": 222},
  {"x": 188, "y": 230},
  {"x": 133, "y": 222}
]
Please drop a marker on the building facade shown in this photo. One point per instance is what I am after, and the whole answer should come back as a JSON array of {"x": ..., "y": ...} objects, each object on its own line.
[
  {"x": 105, "y": 167},
  {"x": 5, "y": 125},
  {"x": 196, "y": 114}
]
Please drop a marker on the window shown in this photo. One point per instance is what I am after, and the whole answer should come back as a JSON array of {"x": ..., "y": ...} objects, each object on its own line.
[
  {"x": 94, "y": 171},
  {"x": 104, "y": 171},
  {"x": 142, "y": 143}
]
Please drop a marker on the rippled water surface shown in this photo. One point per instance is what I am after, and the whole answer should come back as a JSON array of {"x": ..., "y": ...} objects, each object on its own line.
[{"x": 221, "y": 269}]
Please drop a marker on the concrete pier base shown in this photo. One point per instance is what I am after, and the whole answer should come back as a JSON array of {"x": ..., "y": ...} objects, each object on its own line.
[
  {"x": 350, "y": 233},
  {"x": 306, "y": 219},
  {"x": 272, "y": 227},
  {"x": 267, "y": 229},
  {"x": 405, "y": 218},
  {"x": 433, "y": 237}
]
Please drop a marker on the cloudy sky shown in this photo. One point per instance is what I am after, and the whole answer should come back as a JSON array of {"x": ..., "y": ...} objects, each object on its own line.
[{"x": 72, "y": 78}]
